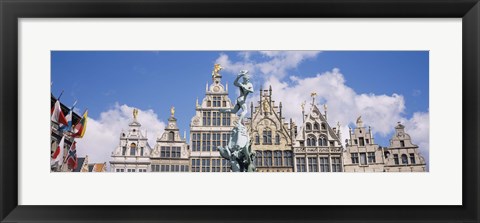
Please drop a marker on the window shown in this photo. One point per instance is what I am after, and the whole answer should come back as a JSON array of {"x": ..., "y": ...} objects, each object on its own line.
[
  {"x": 209, "y": 103},
  {"x": 204, "y": 141},
  {"x": 312, "y": 164},
  {"x": 268, "y": 158},
  {"x": 167, "y": 151},
  {"x": 196, "y": 142},
  {"x": 412, "y": 158},
  {"x": 215, "y": 165},
  {"x": 395, "y": 158},
  {"x": 205, "y": 165},
  {"x": 225, "y": 165},
  {"x": 216, "y": 119},
  {"x": 124, "y": 150},
  {"x": 324, "y": 164},
  {"x": 216, "y": 101},
  {"x": 355, "y": 142},
  {"x": 387, "y": 154},
  {"x": 224, "y": 103},
  {"x": 195, "y": 165},
  {"x": 171, "y": 136},
  {"x": 162, "y": 169},
  {"x": 258, "y": 158},
  {"x": 226, "y": 119},
  {"x": 155, "y": 168},
  {"x": 287, "y": 158},
  {"x": 316, "y": 127},
  {"x": 182, "y": 168},
  {"x": 311, "y": 141},
  {"x": 404, "y": 159},
  {"x": 162, "y": 151},
  {"x": 257, "y": 139},
  {"x": 167, "y": 168},
  {"x": 402, "y": 143},
  {"x": 206, "y": 118},
  {"x": 267, "y": 136},
  {"x": 132, "y": 149},
  {"x": 362, "y": 141},
  {"x": 142, "y": 170},
  {"x": 371, "y": 157},
  {"x": 324, "y": 127},
  {"x": 278, "y": 158},
  {"x": 336, "y": 164},
  {"x": 322, "y": 141},
  {"x": 354, "y": 157},
  {"x": 301, "y": 164},
  {"x": 308, "y": 127},
  {"x": 141, "y": 151},
  {"x": 225, "y": 138},
  {"x": 215, "y": 141},
  {"x": 277, "y": 139},
  {"x": 367, "y": 141},
  {"x": 363, "y": 158}
]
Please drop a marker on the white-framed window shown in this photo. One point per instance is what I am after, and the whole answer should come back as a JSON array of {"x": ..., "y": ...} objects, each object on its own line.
[
  {"x": 301, "y": 164},
  {"x": 312, "y": 164},
  {"x": 324, "y": 164},
  {"x": 371, "y": 157},
  {"x": 336, "y": 164},
  {"x": 412, "y": 158},
  {"x": 354, "y": 158},
  {"x": 404, "y": 159}
]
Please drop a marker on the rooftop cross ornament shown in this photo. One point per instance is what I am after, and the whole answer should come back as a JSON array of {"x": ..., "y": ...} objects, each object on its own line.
[{"x": 239, "y": 150}]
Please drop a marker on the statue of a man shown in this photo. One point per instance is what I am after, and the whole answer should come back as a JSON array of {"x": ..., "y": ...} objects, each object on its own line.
[{"x": 245, "y": 88}]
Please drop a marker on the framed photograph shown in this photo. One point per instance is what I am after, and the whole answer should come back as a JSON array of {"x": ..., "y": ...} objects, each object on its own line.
[{"x": 225, "y": 111}]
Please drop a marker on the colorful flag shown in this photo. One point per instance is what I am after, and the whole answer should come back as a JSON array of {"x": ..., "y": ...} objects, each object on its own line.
[
  {"x": 71, "y": 158},
  {"x": 57, "y": 114},
  {"x": 58, "y": 154},
  {"x": 67, "y": 127},
  {"x": 80, "y": 128}
]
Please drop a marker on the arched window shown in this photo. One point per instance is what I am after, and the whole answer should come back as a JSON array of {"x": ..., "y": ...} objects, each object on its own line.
[
  {"x": 267, "y": 136},
  {"x": 278, "y": 158},
  {"x": 404, "y": 159},
  {"x": 315, "y": 126},
  {"x": 257, "y": 139},
  {"x": 268, "y": 158},
  {"x": 171, "y": 136},
  {"x": 258, "y": 158},
  {"x": 287, "y": 158},
  {"x": 133, "y": 148},
  {"x": 308, "y": 127},
  {"x": 277, "y": 139},
  {"x": 322, "y": 141},
  {"x": 311, "y": 141}
]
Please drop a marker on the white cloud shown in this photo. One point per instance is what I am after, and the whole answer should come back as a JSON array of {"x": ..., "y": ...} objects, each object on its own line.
[
  {"x": 103, "y": 135},
  {"x": 273, "y": 63}
]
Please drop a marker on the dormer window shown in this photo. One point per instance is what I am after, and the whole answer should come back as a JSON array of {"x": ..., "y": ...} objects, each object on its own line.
[
  {"x": 308, "y": 127},
  {"x": 402, "y": 143},
  {"x": 311, "y": 141},
  {"x": 315, "y": 126},
  {"x": 171, "y": 136},
  {"x": 133, "y": 148},
  {"x": 324, "y": 127}
]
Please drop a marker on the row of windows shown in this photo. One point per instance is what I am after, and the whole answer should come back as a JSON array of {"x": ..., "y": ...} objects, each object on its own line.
[
  {"x": 210, "y": 165},
  {"x": 167, "y": 151},
  {"x": 361, "y": 141},
  {"x": 365, "y": 158},
  {"x": 321, "y": 164},
  {"x": 308, "y": 126},
  {"x": 267, "y": 138},
  {"x": 169, "y": 168},
  {"x": 264, "y": 158},
  {"x": 404, "y": 158},
  {"x": 129, "y": 170},
  {"x": 322, "y": 141},
  {"x": 215, "y": 118},
  {"x": 133, "y": 150},
  {"x": 209, "y": 141},
  {"x": 216, "y": 102}
]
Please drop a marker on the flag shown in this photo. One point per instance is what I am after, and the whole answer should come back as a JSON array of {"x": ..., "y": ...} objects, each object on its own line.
[
  {"x": 80, "y": 128},
  {"x": 57, "y": 114},
  {"x": 58, "y": 154},
  {"x": 71, "y": 158},
  {"x": 67, "y": 127}
]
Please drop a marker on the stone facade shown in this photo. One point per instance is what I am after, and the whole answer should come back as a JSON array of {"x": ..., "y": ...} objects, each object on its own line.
[
  {"x": 133, "y": 151},
  {"x": 317, "y": 146},
  {"x": 362, "y": 154},
  {"x": 402, "y": 155},
  {"x": 210, "y": 128},
  {"x": 271, "y": 136},
  {"x": 171, "y": 153}
]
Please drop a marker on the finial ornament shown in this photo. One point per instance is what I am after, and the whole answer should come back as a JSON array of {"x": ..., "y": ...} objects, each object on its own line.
[
  {"x": 313, "y": 95},
  {"x": 325, "y": 106},
  {"x": 172, "y": 111},
  {"x": 216, "y": 68},
  {"x": 359, "y": 121},
  {"x": 135, "y": 113},
  {"x": 303, "y": 106}
]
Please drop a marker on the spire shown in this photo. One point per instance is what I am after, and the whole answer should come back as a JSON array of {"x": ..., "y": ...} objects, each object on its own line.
[
  {"x": 325, "y": 109},
  {"x": 270, "y": 91},
  {"x": 280, "y": 111}
]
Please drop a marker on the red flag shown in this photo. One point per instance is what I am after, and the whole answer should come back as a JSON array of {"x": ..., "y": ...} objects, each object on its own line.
[
  {"x": 57, "y": 114},
  {"x": 58, "y": 154},
  {"x": 71, "y": 159}
]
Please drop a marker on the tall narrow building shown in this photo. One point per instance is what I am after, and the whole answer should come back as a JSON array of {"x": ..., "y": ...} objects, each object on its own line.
[
  {"x": 170, "y": 153},
  {"x": 402, "y": 155},
  {"x": 133, "y": 151},
  {"x": 317, "y": 147},
  {"x": 362, "y": 154},
  {"x": 210, "y": 128},
  {"x": 271, "y": 137}
]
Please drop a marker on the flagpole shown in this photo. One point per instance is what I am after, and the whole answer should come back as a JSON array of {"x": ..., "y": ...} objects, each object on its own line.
[{"x": 60, "y": 96}]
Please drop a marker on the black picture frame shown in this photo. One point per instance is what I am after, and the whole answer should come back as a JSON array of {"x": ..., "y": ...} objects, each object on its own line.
[{"x": 11, "y": 11}]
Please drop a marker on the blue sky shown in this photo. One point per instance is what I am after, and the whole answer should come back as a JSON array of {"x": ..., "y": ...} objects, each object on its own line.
[{"x": 157, "y": 80}]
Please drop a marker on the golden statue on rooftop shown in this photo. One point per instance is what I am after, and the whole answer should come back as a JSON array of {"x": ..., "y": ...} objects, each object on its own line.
[
  {"x": 135, "y": 113},
  {"x": 216, "y": 68},
  {"x": 172, "y": 111}
]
